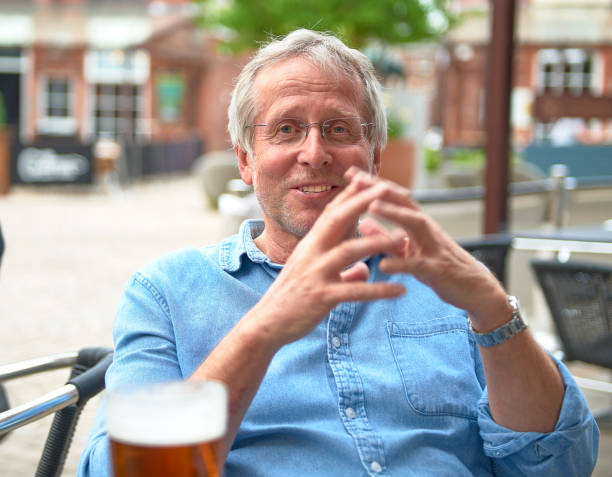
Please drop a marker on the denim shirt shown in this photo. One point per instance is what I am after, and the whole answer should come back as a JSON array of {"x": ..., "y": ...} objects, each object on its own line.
[{"x": 381, "y": 388}]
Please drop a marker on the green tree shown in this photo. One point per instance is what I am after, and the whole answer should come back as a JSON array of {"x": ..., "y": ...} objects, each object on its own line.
[{"x": 357, "y": 22}]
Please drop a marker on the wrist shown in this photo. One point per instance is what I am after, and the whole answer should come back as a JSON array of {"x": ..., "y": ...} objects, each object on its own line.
[
  {"x": 504, "y": 332},
  {"x": 492, "y": 313},
  {"x": 261, "y": 328}
]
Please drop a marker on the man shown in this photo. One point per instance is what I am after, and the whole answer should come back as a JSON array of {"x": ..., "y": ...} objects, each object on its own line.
[{"x": 346, "y": 348}]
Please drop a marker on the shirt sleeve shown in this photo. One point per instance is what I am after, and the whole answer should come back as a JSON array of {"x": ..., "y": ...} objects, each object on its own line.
[
  {"x": 569, "y": 450},
  {"x": 145, "y": 351}
]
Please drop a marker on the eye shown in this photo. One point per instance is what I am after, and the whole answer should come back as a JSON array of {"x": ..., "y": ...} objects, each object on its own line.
[
  {"x": 287, "y": 127},
  {"x": 339, "y": 127}
]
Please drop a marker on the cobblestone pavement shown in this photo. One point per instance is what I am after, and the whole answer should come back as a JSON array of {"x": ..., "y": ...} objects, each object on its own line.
[{"x": 69, "y": 253}]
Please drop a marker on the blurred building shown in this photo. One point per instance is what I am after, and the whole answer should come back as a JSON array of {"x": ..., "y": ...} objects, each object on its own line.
[
  {"x": 562, "y": 91},
  {"x": 133, "y": 71}
]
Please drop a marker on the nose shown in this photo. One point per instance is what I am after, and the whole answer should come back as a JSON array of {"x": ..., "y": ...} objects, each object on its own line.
[{"x": 314, "y": 150}]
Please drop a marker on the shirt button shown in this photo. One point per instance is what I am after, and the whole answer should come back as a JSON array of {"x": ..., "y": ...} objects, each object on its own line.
[
  {"x": 350, "y": 412},
  {"x": 375, "y": 466},
  {"x": 336, "y": 342}
]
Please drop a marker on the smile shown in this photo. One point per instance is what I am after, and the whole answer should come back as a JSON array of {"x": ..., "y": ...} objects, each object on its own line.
[{"x": 315, "y": 189}]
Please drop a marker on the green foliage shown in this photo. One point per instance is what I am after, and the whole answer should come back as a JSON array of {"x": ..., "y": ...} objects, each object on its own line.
[
  {"x": 433, "y": 159},
  {"x": 2, "y": 111},
  {"x": 395, "y": 127},
  {"x": 468, "y": 158},
  {"x": 357, "y": 22}
]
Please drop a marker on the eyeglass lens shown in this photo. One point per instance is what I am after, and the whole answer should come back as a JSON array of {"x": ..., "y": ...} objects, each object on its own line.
[{"x": 291, "y": 131}]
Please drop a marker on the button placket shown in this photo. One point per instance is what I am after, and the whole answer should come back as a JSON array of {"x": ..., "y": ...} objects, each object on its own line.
[{"x": 351, "y": 396}]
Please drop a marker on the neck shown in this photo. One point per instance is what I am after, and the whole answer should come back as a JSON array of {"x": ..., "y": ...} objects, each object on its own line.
[
  {"x": 276, "y": 250},
  {"x": 278, "y": 245}
]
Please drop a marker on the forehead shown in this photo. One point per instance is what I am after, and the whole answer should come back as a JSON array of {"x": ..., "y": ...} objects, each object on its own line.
[{"x": 297, "y": 85}]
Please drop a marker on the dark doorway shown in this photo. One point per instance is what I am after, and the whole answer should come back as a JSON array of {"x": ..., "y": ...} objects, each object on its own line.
[{"x": 10, "y": 86}]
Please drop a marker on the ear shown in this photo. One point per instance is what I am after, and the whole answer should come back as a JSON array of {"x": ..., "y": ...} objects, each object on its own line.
[
  {"x": 244, "y": 166},
  {"x": 376, "y": 161}
]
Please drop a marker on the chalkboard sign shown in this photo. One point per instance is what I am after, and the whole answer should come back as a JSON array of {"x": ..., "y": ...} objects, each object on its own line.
[{"x": 51, "y": 161}]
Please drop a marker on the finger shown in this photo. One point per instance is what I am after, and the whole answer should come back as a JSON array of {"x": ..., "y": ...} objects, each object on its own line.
[
  {"x": 356, "y": 291},
  {"x": 354, "y": 171},
  {"x": 413, "y": 221},
  {"x": 393, "y": 193},
  {"x": 357, "y": 272},
  {"x": 368, "y": 225},
  {"x": 391, "y": 265},
  {"x": 371, "y": 225},
  {"x": 351, "y": 251},
  {"x": 339, "y": 219},
  {"x": 354, "y": 185}
]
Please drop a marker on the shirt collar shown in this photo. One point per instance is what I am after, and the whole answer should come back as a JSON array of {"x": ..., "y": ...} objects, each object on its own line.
[{"x": 232, "y": 249}]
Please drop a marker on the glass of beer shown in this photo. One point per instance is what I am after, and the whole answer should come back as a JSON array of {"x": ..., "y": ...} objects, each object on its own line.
[{"x": 167, "y": 429}]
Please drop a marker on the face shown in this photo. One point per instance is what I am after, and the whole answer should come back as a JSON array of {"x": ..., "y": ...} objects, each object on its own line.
[{"x": 293, "y": 184}]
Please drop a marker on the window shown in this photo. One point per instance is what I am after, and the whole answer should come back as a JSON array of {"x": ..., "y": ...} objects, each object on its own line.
[
  {"x": 118, "y": 109},
  {"x": 58, "y": 98},
  {"x": 56, "y": 116},
  {"x": 566, "y": 70}
]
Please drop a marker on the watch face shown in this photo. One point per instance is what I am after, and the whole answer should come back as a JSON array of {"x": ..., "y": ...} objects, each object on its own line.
[
  {"x": 506, "y": 331},
  {"x": 514, "y": 303}
]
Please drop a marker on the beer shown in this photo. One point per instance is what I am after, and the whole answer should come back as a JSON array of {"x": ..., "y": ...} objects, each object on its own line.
[{"x": 171, "y": 429}]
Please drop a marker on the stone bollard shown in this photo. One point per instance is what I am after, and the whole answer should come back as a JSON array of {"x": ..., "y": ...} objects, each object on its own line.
[{"x": 559, "y": 195}]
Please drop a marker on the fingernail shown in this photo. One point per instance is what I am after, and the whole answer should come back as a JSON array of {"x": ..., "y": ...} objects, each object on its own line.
[{"x": 398, "y": 234}]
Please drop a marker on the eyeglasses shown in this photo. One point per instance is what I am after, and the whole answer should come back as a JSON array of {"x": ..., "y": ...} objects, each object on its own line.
[{"x": 293, "y": 132}]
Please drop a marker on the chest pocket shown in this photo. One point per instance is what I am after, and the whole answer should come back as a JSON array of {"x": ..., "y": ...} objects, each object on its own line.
[{"x": 437, "y": 365}]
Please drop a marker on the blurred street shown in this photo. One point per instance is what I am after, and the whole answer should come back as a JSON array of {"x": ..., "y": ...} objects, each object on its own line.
[{"x": 70, "y": 251}]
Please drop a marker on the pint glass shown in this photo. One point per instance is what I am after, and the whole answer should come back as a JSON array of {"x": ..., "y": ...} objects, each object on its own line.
[{"x": 170, "y": 429}]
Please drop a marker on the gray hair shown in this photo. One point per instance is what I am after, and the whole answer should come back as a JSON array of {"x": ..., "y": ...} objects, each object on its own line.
[{"x": 329, "y": 54}]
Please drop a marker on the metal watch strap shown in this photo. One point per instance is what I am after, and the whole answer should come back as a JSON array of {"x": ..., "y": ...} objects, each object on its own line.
[{"x": 505, "y": 331}]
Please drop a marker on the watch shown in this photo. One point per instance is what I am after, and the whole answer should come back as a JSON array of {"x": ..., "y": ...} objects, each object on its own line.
[{"x": 505, "y": 331}]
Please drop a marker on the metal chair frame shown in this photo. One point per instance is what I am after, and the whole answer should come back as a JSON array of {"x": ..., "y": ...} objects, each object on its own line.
[
  {"x": 579, "y": 297},
  {"x": 88, "y": 367}
]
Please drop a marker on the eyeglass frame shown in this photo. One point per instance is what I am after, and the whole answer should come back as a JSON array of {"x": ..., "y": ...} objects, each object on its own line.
[{"x": 309, "y": 125}]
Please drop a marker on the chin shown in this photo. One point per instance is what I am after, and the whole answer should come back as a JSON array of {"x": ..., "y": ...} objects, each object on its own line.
[
  {"x": 298, "y": 227},
  {"x": 299, "y": 230}
]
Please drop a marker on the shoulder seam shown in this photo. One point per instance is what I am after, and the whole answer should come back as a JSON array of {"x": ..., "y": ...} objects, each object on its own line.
[{"x": 146, "y": 283}]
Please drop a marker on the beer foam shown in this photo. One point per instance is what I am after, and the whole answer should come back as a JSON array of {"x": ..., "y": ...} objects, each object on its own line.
[{"x": 168, "y": 414}]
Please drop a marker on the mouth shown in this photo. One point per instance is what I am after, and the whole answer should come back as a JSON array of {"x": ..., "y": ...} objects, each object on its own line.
[{"x": 315, "y": 189}]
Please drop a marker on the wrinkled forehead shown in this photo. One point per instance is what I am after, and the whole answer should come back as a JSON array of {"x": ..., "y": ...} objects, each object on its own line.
[{"x": 297, "y": 76}]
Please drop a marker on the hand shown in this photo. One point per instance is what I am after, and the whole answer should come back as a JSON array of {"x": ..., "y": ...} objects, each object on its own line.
[
  {"x": 433, "y": 257},
  {"x": 324, "y": 269}
]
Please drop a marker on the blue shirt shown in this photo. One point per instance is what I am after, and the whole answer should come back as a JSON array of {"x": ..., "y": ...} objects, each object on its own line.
[{"x": 389, "y": 387}]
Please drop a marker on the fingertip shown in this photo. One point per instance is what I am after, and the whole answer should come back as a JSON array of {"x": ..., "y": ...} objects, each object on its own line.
[
  {"x": 400, "y": 289},
  {"x": 398, "y": 235},
  {"x": 350, "y": 173}
]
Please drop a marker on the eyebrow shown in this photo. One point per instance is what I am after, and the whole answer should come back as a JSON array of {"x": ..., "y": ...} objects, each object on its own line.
[{"x": 292, "y": 113}]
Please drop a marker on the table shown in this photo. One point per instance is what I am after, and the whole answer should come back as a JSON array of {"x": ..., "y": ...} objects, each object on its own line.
[{"x": 575, "y": 239}]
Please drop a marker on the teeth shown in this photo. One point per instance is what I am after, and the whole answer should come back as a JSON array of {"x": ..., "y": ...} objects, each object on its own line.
[{"x": 314, "y": 189}]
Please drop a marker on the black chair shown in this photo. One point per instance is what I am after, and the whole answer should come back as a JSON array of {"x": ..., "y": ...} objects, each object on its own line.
[
  {"x": 88, "y": 367},
  {"x": 579, "y": 296},
  {"x": 492, "y": 250}
]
